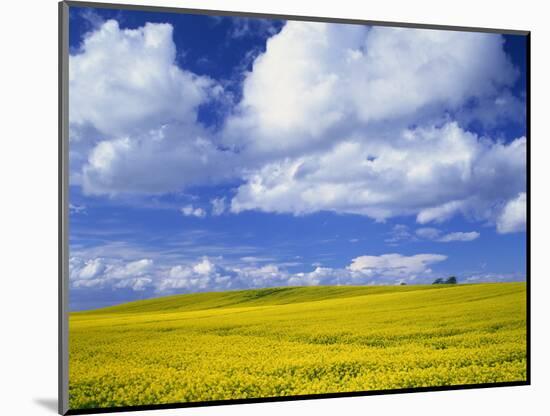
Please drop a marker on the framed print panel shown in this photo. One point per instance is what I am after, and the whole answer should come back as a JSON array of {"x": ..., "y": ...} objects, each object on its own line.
[{"x": 262, "y": 207}]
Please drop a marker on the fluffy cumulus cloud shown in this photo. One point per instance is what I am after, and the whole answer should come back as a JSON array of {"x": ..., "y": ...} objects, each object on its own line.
[
  {"x": 133, "y": 114},
  {"x": 125, "y": 80},
  {"x": 190, "y": 211},
  {"x": 341, "y": 118},
  {"x": 514, "y": 215},
  {"x": 432, "y": 173},
  {"x": 383, "y": 269},
  {"x": 159, "y": 161},
  {"x": 195, "y": 277},
  {"x": 111, "y": 273},
  {"x": 207, "y": 274},
  {"x": 395, "y": 265},
  {"x": 317, "y": 83},
  {"x": 331, "y": 107}
]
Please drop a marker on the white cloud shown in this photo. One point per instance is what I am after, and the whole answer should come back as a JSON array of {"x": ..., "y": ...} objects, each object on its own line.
[
  {"x": 395, "y": 265},
  {"x": 268, "y": 275},
  {"x": 125, "y": 81},
  {"x": 242, "y": 27},
  {"x": 459, "y": 236},
  {"x": 207, "y": 275},
  {"x": 133, "y": 115},
  {"x": 91, "y": 269},
  {"x": 204, "y": 267},
  {"x": 131, "y": 269},
  {"x": 428, "y": 233},
  {"x": 191, "y": 278},
  {"x": 434, "y": 234},
  {"x": 155, "y": 162},
  {"x": 190, "y": 211},
  {"x": 77, "y": 209},
  {"x": 432, "y": 173},
  {"x": 179, "y": 272},
  {"x": 218, "y": 206},
  {"x": 139, "y": 284},
  {"x": 256, "y": 259},
  {"x": 514, "y": 215},
  {"x": 342, "y": 118},
  {"x": 93, "y": 18},
  {"x": 321, "y": 275},
  {"x": 328, "y": 107},
  {"x": 107, "y": 272},
  {"x": 440, "y": 213},
  {"x": 317, "y": 81},
  {"x": 494, "y": 277},
  {"x": 399, "y": 233},
  {"x": 210, "y": 274}
]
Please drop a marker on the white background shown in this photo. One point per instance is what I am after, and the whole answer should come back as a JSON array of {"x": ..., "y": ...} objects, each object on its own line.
[{"x": 28, "y": 186}]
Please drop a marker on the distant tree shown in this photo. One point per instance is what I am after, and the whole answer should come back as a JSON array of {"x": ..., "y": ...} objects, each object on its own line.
[
  {"x": 402, "y": 284},
  {"x": 451, "y": 280},
  {"x": 438, "y": 281}
]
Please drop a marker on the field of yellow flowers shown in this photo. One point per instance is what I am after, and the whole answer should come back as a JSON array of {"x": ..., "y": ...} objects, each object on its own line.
[{"x": 295, "y": 341}]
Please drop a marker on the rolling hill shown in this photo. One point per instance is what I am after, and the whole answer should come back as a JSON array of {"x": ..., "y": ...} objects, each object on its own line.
[{"x": 295, "y": 341}]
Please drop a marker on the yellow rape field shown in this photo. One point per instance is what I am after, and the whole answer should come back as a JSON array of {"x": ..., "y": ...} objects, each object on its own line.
[{"x": 296, "y": 341}]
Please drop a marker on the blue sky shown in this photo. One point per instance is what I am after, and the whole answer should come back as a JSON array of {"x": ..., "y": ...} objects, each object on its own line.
[{"x": 211, "y": 153}]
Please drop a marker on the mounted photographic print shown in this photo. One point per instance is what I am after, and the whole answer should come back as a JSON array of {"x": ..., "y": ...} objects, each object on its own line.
[{"x": 261, "y": 208}]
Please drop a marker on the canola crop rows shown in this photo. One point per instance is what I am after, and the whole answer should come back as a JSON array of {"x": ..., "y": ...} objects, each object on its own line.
[{"x": 296, "y": 341}]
